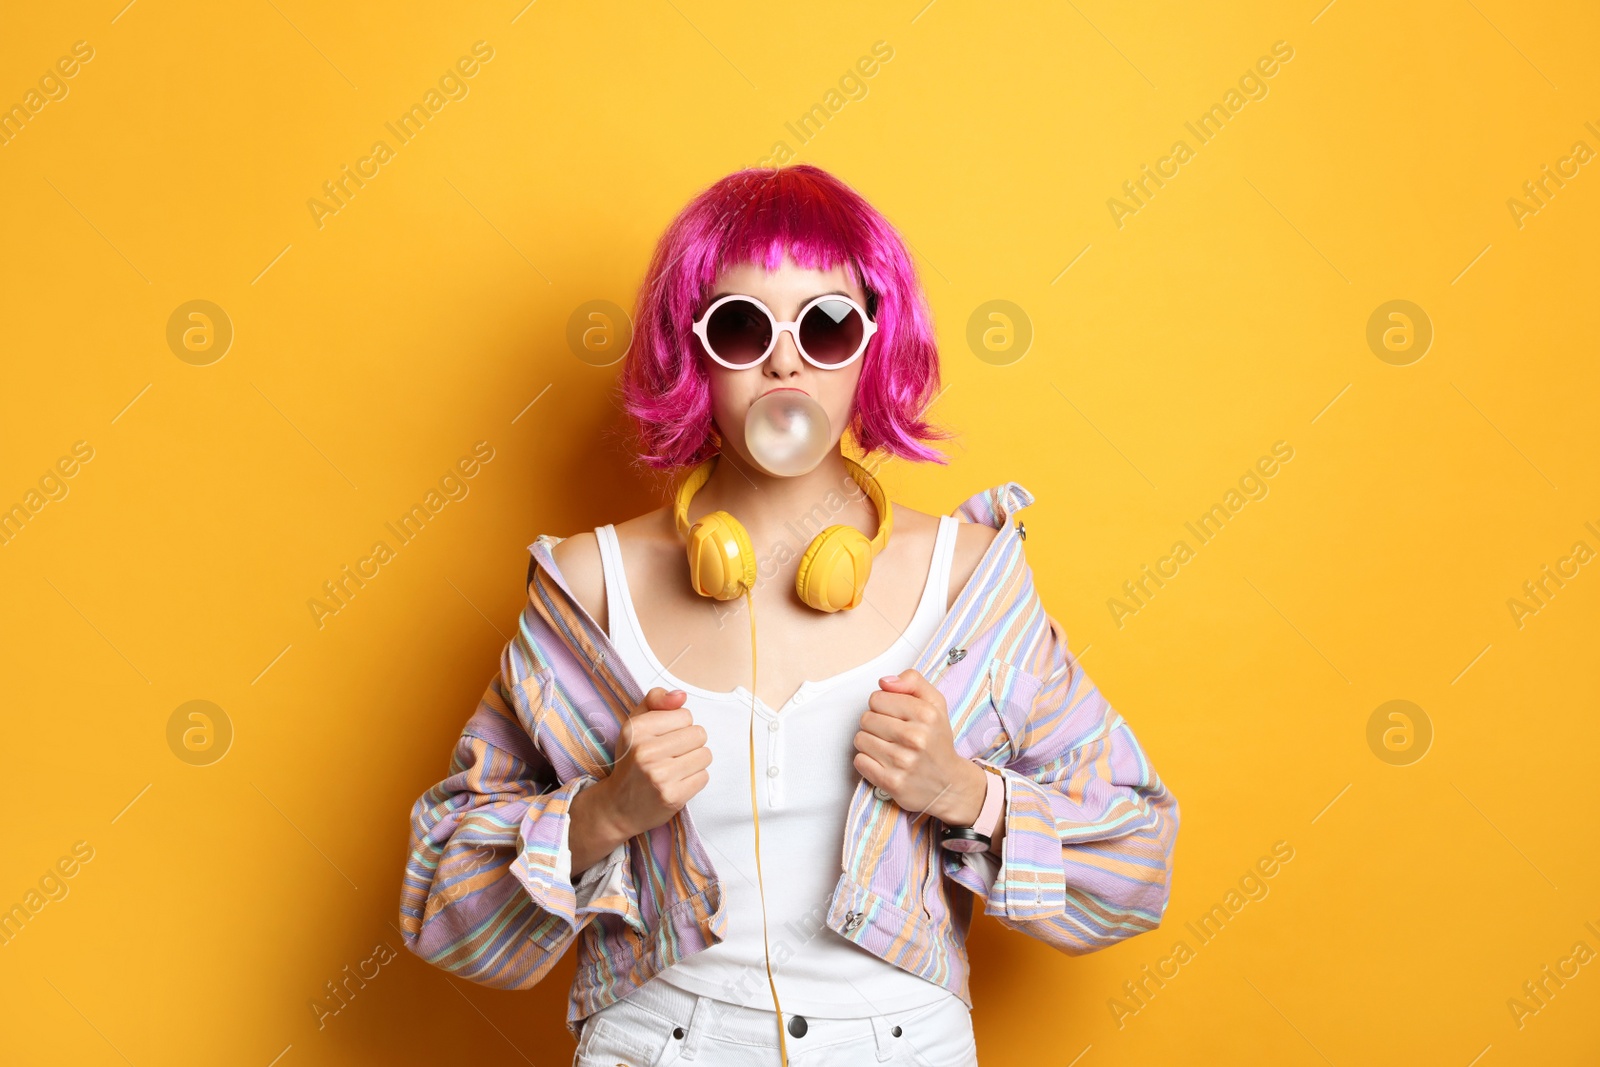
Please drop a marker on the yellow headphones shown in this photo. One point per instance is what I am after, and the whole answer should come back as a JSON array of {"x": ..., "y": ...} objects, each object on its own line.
[{"x": 833, "y": 572}]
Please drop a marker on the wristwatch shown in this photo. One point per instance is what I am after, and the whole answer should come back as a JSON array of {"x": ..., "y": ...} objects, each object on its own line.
[{"x": 978, "y": 836}]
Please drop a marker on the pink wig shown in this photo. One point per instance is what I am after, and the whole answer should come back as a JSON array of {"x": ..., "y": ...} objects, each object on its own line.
[{"x": 756, "y": 216}]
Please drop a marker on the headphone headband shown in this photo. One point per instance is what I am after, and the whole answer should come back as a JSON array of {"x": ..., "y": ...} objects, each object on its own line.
[
  {"x": 874, "y": 491},
  {"x": 697, "y": 478},
  {"x": 689, "y": 487}
]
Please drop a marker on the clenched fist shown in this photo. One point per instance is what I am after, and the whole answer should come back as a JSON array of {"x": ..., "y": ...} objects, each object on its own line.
[
  {"x": 662, "y": 763},
  {"x": 906, "y": 746}
]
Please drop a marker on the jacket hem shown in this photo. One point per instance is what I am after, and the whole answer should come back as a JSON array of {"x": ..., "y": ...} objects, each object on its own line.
[{"x": 688, "y": 921}]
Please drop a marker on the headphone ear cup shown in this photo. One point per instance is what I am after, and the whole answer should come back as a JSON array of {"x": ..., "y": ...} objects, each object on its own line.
[
  {"x": 834, "y": 571},
  {"x": 722, "y": 562}
]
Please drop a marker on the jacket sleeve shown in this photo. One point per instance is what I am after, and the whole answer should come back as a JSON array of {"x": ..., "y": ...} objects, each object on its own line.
[
  {"x": 488, "y": 892},
  {"x": 1086, "y": 860}
]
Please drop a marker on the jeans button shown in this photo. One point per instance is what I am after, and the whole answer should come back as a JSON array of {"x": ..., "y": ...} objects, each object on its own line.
[
  {"x": 677, "y": 1032},
  {"x": 797, "y": 1026}
]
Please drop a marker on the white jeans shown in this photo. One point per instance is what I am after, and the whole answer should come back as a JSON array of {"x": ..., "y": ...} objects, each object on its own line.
[{"x": 659, "y": 1024}]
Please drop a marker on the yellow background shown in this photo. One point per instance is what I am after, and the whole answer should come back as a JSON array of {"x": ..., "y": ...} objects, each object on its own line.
[{"x": 371, "y": 353}]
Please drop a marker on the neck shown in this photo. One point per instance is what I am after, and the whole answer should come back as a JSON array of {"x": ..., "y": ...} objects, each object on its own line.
[{"x": 778, "y": 510}]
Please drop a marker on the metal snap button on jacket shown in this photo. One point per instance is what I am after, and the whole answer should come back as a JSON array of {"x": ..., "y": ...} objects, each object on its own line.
[{"x": 797, "y": 1026}]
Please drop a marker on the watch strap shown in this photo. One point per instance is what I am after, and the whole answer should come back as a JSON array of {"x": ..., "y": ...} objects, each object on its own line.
[{"x": 994, "y": 796}]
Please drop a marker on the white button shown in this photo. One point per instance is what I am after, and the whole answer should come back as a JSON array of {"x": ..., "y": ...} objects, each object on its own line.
[
  {"x": 799, "y": 698},
  {"x": 772, "y": 772},
  {"x": 880, "y": 792},
  {"x": 772, "y": 724}
]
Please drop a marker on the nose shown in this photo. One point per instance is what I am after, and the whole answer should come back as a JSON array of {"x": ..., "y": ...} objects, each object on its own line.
[{"x": 785, "y": 361}]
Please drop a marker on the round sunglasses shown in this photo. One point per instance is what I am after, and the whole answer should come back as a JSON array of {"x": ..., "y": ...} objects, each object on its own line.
[{"x": 740, "y": 331}]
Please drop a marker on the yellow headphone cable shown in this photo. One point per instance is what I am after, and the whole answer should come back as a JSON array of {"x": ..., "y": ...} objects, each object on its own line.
[
  {"x": 783, "y": 1045},
  {"x": 832, "y": 576}
]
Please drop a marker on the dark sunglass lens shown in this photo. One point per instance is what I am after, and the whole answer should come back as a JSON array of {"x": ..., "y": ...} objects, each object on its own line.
[
  {"x": 831, "y": 331},
  {"x": 739, "y": 332}
]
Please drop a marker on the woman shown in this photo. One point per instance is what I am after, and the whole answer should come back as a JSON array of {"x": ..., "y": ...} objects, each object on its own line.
[{"x": 916, "y": 713}]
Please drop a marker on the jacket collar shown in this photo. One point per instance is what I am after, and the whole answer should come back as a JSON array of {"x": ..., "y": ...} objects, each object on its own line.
[{"x": 962, "y": 626}]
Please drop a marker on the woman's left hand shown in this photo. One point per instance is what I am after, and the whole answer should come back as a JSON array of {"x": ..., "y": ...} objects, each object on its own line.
[{"x": 907, "y": 747}]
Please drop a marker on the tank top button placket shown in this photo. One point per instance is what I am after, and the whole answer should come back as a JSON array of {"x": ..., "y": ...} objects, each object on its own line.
[{"x": 774, "y": 777}]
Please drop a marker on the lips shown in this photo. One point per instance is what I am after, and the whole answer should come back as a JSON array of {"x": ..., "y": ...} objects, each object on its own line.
[{"x": 784, "y": 388}]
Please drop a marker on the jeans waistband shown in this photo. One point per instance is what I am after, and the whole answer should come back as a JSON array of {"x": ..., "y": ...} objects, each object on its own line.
[{"x": 702, "y": 1015}]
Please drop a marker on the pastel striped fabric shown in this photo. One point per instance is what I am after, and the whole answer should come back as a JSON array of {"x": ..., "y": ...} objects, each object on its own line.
[{"x": 1086, "y": 860}]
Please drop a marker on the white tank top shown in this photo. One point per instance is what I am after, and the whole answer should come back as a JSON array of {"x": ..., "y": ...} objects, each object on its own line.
[{"x": 805, "y": 781}]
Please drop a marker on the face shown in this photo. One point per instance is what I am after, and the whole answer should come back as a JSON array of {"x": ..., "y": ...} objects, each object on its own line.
[{"x": 785, "y": 290}]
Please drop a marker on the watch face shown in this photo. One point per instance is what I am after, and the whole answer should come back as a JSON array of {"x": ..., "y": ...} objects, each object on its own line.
[{"x": 965, "y": 844}]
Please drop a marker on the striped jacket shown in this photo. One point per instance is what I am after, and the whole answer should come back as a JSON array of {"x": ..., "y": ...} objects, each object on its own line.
[{"x": 1086, "y": 860}]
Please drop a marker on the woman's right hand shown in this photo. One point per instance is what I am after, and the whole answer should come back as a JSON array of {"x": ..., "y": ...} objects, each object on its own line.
[{"x": 663, "y": 763}]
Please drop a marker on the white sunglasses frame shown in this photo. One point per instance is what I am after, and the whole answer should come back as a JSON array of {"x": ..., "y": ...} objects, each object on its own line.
[{"x": 778, "y": 327}]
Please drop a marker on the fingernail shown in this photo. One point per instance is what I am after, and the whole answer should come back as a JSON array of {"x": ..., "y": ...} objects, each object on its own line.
[{"x": 886, "y": 679}]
